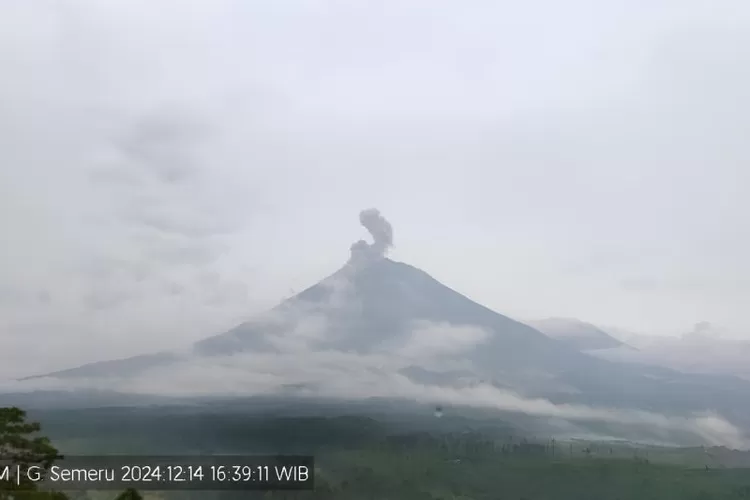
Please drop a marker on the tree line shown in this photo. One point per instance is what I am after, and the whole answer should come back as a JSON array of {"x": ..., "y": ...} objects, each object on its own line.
[{"x": 21, "y": 447}]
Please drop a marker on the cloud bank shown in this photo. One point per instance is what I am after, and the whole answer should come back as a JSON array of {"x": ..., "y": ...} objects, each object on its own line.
[{"x": 347, "y": 376}]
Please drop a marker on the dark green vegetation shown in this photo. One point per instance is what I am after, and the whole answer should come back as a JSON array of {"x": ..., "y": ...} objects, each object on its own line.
[
  {"x": 407, "y": 457},
  {"x": 436, "y": 471},
  {"x": 129, "y": 494},
  {"x": 21, "y": 447}
]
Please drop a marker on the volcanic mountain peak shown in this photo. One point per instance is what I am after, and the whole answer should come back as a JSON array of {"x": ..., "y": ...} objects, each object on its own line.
[
  {"x": 385, "y": 324},
  {"x": 373, "y": 304},
  {"x": 368, "y": 305}
]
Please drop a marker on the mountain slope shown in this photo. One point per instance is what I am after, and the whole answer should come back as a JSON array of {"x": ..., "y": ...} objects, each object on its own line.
[
  {"x": 372, "y": 308},
  {"x": 375, "y": 306},
  {"x": 577, "y": 334}
]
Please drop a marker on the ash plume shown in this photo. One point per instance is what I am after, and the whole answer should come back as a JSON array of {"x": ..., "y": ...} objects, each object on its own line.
[
  {"x": 382, "y": 235},
  {"x": 379, "y": 228}
]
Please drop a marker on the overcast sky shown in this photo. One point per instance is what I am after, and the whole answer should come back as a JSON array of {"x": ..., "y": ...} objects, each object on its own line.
[{"x": 170, "y": 168}]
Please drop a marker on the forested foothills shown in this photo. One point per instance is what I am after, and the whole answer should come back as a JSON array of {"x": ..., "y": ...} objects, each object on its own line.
[
  {"x": 361, "y": 457},
  {"x": 23, "y": 446}
]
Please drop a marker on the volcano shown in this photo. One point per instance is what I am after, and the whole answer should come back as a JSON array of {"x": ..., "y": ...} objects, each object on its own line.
[
  {"x": 375, "y": 306},
  {"x": 370, "y": 307}
]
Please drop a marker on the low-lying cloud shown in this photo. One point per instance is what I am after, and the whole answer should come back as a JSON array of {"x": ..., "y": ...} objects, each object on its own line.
[
  {"x": 349, "y": 376},
  {"x": 434, "y": 340}
]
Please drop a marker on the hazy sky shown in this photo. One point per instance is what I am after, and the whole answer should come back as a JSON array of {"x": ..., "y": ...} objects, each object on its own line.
[{"x": 169, "y": 168}]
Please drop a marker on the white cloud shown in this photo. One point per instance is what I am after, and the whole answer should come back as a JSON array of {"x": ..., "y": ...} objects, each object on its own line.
[
  {"x": 344, "y": 375},
  {"x": 430, "y": 340}
]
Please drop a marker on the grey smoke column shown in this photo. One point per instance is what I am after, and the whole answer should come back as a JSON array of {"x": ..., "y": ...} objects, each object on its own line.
[
  {"x": 382, "y": 234},
  {"x": 379, "y": 228}
]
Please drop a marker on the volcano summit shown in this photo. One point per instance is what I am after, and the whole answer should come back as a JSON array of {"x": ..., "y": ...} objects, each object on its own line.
[
  {"x": 377, "y": 327},
  {"x": 374, "y": 305}
]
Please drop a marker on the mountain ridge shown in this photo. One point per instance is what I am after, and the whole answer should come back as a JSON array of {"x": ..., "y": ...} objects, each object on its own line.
[{"x": 578, "y": 334}]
